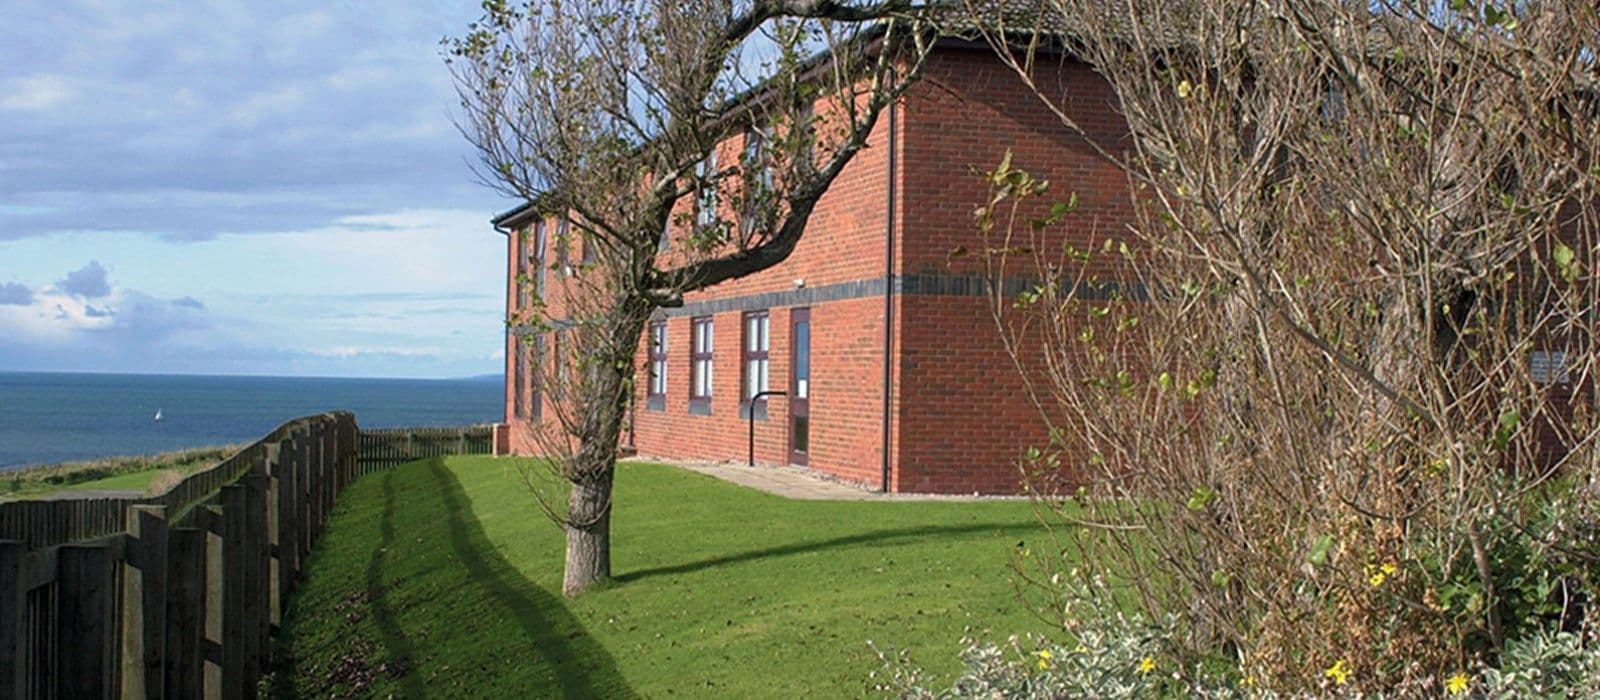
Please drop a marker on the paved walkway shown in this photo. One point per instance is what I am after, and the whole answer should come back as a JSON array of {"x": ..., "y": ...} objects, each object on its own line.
[{"x": 803, "y": 484}]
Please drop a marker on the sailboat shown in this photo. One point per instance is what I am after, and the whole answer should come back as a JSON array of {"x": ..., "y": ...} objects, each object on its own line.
[{"x": 158, "y": 415}]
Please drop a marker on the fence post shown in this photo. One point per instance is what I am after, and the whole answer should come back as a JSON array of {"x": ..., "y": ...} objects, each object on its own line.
[
  {"x": 239, "y": 628},
  {"x": 144, "y": 605},
  {"x": 302, "y": 512},
  {"x": 12, "y": 609},
  {"x": 284, "y": 466},
  {"x": 186, "y": 607},
  {"x": 211, "y": 646},
  {"x": 258, "y": 605},
  {"x": 84, "y": 639}
]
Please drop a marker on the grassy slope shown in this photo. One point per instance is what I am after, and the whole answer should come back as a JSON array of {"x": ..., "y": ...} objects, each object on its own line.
[
  {"x": 443, "y": 579},
  {"x": 133, "y": 473}
]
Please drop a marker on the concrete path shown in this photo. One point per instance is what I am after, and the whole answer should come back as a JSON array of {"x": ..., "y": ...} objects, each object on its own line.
[{"x": 803, "y": 484}]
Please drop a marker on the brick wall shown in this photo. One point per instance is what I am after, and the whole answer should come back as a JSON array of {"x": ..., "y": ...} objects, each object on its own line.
[{"x": 965, "y": 414}]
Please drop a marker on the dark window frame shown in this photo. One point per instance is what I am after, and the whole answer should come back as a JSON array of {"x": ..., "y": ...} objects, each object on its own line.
[
  {"x": 535, "y": 395},
  {"x": 656, "y": 388},
  {"x": 702, "y": 363},
  {"x": 755, "y": 349}
]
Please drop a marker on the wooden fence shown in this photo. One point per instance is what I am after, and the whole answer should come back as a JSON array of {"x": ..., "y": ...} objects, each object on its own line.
[
  {"x": 172, "y": 595},
  {"x": 382, "y": 449}
]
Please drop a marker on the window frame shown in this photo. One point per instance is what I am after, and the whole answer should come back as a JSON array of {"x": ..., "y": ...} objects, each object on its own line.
[
  {"x": 656, "y": 386},
  {"x": 702, "y": 364},
  {"x": 564, "y": 245},
  {"x": 535, "y": 394},
  {"x": 705, "y": 202},
  {"x": 755, "y": 356},
  {"x": 753, "y": 156}
]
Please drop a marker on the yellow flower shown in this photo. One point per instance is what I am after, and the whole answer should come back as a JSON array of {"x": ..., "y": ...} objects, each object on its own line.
[
  {"x": 1376, "y": 579},
  {"x": 1457, "y": 684},
  {"x": 1184, "y": 88},
  {"x": 1082, "y": 649},
  {"x": 1147, "y": 665},
  {"x": 1389, "y": 569},
  {"x": 1044, "y": 659},
  {"x": 1249, "y": 682},
  {"x": 1338, "y": 672}
]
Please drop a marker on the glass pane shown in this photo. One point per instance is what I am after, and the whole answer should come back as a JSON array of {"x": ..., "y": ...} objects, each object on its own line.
[
  {"x": 750, "y": 334},
  {"x": 763, "y": 346},
  {"x": 802, "y": 433},
  {"x": 761, "y": 371},
  {"x": 802, "y": 350}
]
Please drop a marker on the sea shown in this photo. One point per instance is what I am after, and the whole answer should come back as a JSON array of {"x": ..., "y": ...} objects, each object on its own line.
[{"x": 47, "y": 418}]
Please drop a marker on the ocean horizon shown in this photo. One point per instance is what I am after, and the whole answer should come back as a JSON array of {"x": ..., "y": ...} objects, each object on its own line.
[{"x": 53, "y": 417}]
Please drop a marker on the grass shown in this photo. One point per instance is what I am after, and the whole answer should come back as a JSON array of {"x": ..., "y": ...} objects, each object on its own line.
[
  {"x": 442, "y": 579},
  {"x": 108, "y": 474}
]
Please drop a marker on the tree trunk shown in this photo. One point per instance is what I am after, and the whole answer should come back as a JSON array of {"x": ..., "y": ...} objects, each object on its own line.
[
  {"x": 589, "y": 534},
  {"x": 589, "y": 505}
]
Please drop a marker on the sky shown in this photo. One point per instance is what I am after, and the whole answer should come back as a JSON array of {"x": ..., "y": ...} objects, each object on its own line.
[{"x": 268, "y": 188}]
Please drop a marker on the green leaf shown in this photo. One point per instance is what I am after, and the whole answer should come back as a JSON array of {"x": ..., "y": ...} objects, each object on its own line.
[
  {"x": 1567, "y": 262},
  {"x": 1201, "y": 497},
  {"x": 1320, "y": 550},
  {"x": 1509, "y": 420}
]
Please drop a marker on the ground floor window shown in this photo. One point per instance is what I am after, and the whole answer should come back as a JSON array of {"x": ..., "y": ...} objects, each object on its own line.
[
  {"x": 700, "y": 365},
  {"x": 656, "y": 397},
  {"x": 757, "y": 343}
]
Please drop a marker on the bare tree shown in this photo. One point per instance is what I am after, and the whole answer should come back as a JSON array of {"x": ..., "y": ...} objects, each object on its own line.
[
  {"x": 687, "y": 144},
  {"x": 1339, "y": 409}
]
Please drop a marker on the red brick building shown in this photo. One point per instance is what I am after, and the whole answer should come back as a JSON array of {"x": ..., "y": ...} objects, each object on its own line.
[{"x": 894, "y": 373}]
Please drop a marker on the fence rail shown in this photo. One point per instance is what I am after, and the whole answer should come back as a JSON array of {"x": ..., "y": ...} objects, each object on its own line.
[
  {"x": 174, "y": 595},
  {"x": 382, "y": 449}
]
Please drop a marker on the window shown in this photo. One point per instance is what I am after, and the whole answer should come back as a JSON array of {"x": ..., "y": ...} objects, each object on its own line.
[
  {"x": 700, "y": 366},
  {"x": 557, "y": 379},
  {"x": 563, "y": 245},
  {"x": 587, "y": 258},
  {"x": 706, "y": 203},
  {"x": 656, "y": 397},
  {"x": 531, "y": 378},
  {"x": 519, "y": 377},
  {"x": 758, "y": 177},
  {"x": 524, "y": 264},
  {"x": 756, "y": 345},
  {"x": 1549, "y": 367},
  {"x": 538, "y": 258}
]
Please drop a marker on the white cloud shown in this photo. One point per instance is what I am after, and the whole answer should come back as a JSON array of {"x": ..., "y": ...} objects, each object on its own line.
[{"x": 37, "y": 93}]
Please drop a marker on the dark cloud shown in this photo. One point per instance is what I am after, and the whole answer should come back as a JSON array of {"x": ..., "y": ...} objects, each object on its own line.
[
  {"x": 88, "y": 282},
  {"x": 15, "y": 294},
  {"x": 190, "y": 303},
  {"x": 93, "y": 312}
]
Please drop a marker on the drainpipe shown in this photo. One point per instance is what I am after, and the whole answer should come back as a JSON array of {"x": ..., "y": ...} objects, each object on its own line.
[
  {"x": 505, "y": 385},
  {"x": 888, "y": 290}
]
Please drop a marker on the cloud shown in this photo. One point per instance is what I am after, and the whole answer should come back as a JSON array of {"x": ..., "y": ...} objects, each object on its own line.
[
  {"x": 14, "y": 294},
  {"x": 93, "y": 312},
  {"x": 266, "y": 117},
  {"x": 88, "y": 282},
  {"x": 190, "y": 303},
  {"x": 37, "y": 93}
]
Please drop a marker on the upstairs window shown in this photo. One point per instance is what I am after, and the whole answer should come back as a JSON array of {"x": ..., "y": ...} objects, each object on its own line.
[
  {"x": 705, "y": 214},
  {"x": 758, "y": 177},
  {"x": 657, "y": 394},
  {"x": 537, "y": 278},
  {"x": 700, "y": 365},
  {"x": 563, "y": 246}
]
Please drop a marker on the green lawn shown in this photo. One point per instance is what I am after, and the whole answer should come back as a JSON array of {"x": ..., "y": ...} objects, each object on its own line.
[{"x": 442, "y": 578}]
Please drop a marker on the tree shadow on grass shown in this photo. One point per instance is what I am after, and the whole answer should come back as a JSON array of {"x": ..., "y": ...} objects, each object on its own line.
[
  {"x": 875, "y": 537},
  {"x": 579, "y": 666}
]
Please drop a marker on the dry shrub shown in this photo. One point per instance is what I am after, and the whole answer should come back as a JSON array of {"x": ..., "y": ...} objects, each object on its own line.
[{"x": 1333, "y": 404}]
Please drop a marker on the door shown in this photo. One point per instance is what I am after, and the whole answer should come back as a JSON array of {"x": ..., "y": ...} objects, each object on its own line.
[{"x": 800, "y": 387}]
